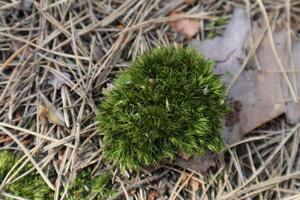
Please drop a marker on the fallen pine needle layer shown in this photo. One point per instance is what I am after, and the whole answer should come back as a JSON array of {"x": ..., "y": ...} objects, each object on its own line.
[{"x": 56, "y": 60}]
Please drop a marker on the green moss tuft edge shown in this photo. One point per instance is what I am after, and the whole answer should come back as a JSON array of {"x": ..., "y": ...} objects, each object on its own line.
[{"x": 168, "y": 102}]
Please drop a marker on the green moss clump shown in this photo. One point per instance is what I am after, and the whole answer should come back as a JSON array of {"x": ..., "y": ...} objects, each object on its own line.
[
  {"x": 86, "y": 187},
  {"x": 31, "y": 186},
  {"x": 168, "y": 102},
  {"x": 7, "y": 160}
]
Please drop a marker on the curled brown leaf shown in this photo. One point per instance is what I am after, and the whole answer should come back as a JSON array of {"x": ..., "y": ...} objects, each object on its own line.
[
  {"x": 188, "y": 27},
  {"x": 48, "y": 113}
]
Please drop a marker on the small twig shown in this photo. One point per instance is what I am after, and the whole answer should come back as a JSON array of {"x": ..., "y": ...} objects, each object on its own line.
[{"x": 140, "y": 183}]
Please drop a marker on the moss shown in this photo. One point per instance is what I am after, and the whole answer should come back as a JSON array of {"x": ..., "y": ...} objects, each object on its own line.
[
  {"x": 168, "y": 102},
  {"x": 31, "y": 186},
  {"x": 86, "y": 187},
  {"x": 7, "y": 160}
]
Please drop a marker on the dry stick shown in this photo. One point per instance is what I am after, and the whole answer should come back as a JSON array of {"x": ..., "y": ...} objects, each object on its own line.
[
  {"x": 89, "y": 80},
  {"x": 295, "y": 148},
  {"x": 59, "y": 175},
  {"x": 78, "y": 63},
  {"x": 267, "y": 183},
  {"x": 249, "y": 56},
  {"x": 13, "y": 56},
  {"x": 107, "y": 20},
  {"x": 10, "y": 196},
  {"x": 205, "y": 190},
  {"x": 42, "y": 48},
  {"x": 8, "y": 177},
  {"x": 140, "y": 183},
  {"x": 10, "y": 5},
  {"x": 64, "y": 102},
  {"x": 54, "y": 4},
  {"x": 3, "y": 124},
  {"x": 12, "y": 79},
  {"x": 176, "y": 185},
  {"x": 124, "y": 189},
  {"x": 53, "y": 21},
  {"x": 248, "y": 140},
  {"x": 56, "y": 32},
  {"x": 39, "y": 170},
  {"x": 181, "y": 187},
  {"x": 264, "y": 13},
  {"x": 253, "y": 168},
  {"x": 289, "y": 43},
  {"x": 168, "y": 8},
  {"x": 69, "y": 82},
  {"x": 294, "y": 197},
  {"x": 237, "y": 164},
  {"x": 204, "y": 15},
  {"x": 270, "y": 158},
  {"x": 15, "y": 169}
]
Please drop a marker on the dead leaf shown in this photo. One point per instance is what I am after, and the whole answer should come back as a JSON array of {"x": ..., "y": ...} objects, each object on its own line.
[
  {"x": 193, "y": 181},
  {"x": 228, "y": 52},
  {"x": 261, "y": 92},
  {"x": 48, "y": 113},
  {"x": 98, "y": 53},
  {"x": 188, "y": 27},
  {"x": 5, "y": 139},
  {"x": 153, "y": 195},
  {"x": 61, "y": 154},
  {"x": 42, "y": 113},
  {"x": 190, "y": 2},
  {"x": 56, "y": 81},
  {"x": 120, "y": 26},
  {"x": 26, "y": 142}
]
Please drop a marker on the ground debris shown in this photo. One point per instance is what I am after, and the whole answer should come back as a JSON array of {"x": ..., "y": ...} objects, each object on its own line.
[
  {"x": 254, "y": 80},
  {"x": 188, "y": 27}
]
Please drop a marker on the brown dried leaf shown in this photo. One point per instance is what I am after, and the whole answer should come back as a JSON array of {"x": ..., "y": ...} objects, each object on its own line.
[
  {"x": 120, "y": 26},
  {"x": 42, "y": 113},
  {"x": 188, "y": 27},
  {"x": 228, "y": 52},
  {"x": 153, "y": 195},
  {"x": 260, "y": 92},
  {"x": 48, "y": 113},
  {"x": 5, "y": 139},
  {"x": 190, "y": 2}
]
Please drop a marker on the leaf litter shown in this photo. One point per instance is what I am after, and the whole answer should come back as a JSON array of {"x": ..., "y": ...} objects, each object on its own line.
[
  {"x": 47, "y": 112},
  {"x": 188, "y": 27},
  {"x": 255, "y": 83}
]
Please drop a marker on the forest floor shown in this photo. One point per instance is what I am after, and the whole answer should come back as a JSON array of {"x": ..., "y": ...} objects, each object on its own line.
[{"x": 57, "y": 58}]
